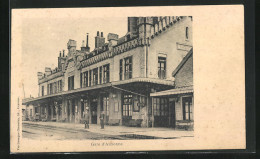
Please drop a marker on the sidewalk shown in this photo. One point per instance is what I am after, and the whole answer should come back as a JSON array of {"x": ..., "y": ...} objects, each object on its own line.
[{"x": 121, "y": 130}]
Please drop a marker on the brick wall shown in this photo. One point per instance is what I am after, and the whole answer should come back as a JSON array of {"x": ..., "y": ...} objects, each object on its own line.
[{"x": 184, "y": 76}]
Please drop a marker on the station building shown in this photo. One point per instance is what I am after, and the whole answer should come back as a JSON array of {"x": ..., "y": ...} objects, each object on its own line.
[{"x": 127, "y": 78}]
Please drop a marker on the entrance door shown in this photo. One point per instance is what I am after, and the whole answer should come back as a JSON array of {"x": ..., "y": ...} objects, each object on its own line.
[
  {"x": 82, "y": 109},
  {"x": 172, "y": 114},
  {"x": 49, "y": 112},
  {"x": 93, "y": 111},
  {"x": 161, "y": 112},
  {"x": 127, "y": 108},
  {"x": 105, "y": 107},
  {"x": 68, "y": 113},
  {"x": 73, "y": 111}
]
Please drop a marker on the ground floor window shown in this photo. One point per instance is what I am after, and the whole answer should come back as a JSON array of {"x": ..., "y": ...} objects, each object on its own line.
[
  {"x": 187, "y": 108},
  {"x": 127, "y": 105},
  {"x": 160, "y": 106},
  {"x": 106, "y": 105}
]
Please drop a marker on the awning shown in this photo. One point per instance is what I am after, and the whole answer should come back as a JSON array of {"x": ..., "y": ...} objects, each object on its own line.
[
  {"x": 99, "y": 86},
  {"x": 182, "y": 90}
]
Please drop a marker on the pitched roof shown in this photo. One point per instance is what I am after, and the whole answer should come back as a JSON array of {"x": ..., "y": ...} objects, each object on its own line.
[
  {"x": 184, "y": 60},
  {"x": 182, "y": 90}
]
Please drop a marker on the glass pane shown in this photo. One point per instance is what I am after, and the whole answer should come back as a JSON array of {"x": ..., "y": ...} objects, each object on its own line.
[
  {"x": 187, "y": 116},
  {"x": 186, "y": 107}
]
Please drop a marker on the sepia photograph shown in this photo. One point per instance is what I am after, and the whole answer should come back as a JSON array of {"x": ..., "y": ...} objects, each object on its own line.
[
  {"x": 137, "y": 85},
  {"x": 92, "y": 79}
]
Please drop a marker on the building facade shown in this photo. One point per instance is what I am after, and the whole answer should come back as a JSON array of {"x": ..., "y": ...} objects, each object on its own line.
[
  {"x": 179, "y": 99},
  {"x": 118, "y": 76}
]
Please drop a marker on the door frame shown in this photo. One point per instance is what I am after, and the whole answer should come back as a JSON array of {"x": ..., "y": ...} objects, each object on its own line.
[
  {"x": 94, "y": 118},
  {"x": 125, "y": 119}
]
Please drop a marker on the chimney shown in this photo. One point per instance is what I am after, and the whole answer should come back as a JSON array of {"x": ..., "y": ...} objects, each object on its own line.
[
  {"x": 132, "y": 25},
  {"x": 47, "y": 71},
  {"x": 87, "y": 41},
  {"x": 40, "y": 75},
  {"x": 63, "y": 53},
  {"x": 60, "y": 53},
  {"x": 112, "y": 39},
  {"x": 71, "y": 45},
  {"x": 82, "y": 43},
  {"x": 99, "y": 41}
]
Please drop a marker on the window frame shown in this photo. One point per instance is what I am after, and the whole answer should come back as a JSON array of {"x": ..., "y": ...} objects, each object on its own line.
[
  {"x": 190, "y": 109},
  {"x": 100, "y": 75},
  {"x": 128, "y": 67},
  {"x": 160, "y": 106},
  {"x": 121, "y": 69},
  {"x": 127, "y": 109},
  {"x": 71, "y": 83},
  {"x": 106, "y": 73},
  {"x": 42, "y": 90},
  {"x": 95, "y": 76},
  {"x": 90, "y": 77},
  {"x": 162, "y": 69},
  {"x": 187, "y": 33}
]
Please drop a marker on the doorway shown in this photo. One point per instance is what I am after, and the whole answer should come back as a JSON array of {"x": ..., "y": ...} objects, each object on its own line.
[
  {"x": 127, "y": 105},
  {"x": 172, "y": 118},
  {"x": 93, "y": 109}
]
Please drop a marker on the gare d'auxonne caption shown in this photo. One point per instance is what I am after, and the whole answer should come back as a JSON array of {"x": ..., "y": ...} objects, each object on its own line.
[{"x": 142, "y": 79}]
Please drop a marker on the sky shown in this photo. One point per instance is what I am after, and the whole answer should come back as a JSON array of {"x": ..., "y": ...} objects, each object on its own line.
[{"x": 44, "y": 38}]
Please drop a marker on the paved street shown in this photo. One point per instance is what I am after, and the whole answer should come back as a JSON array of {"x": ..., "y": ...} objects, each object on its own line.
[
  {"x": 34, "y": 131},
  {"x": 68, "y": 131}
]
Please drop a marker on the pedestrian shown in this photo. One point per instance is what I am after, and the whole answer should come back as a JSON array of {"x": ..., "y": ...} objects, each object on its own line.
[
  {"x": 102, "y": 118},
  {"x": 86, "y": 118}
]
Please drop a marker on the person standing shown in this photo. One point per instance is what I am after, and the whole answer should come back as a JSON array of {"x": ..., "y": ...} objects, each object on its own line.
[
  {"x": 86, "y": 118},
  {"x": 102, "y": 118}
]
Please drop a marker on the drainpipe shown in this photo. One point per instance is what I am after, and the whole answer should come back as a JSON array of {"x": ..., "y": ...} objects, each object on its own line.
[
  {"x": 146, "y": 61},
  {"x": 152, "y": 114}
]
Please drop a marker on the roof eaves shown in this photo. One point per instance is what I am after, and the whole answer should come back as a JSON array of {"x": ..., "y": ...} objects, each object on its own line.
[{"x": 184, "y": 60}]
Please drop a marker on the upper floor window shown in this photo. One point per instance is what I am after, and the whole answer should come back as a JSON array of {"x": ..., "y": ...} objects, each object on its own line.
[
  {"x": 90, "y": 77},
  {"x": 51, "y": 88},
  {"x": 162, "y": 67},
  {"x": 128, "y": 68},
  {"x": 55, "y": 87},
  {"x": 187, "y": 33},
  {"x": 105, "y": 73},
  {"x": 95, "y": 76},
  {"x": 42, "y": 90},
  {"x": 121, "y": 70},
  {"x": 84, "y": 79},
  {"x": 71, "y": 83},
  {"x": 60, "y": 86},
  {"x": 100, "y": 75}
]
